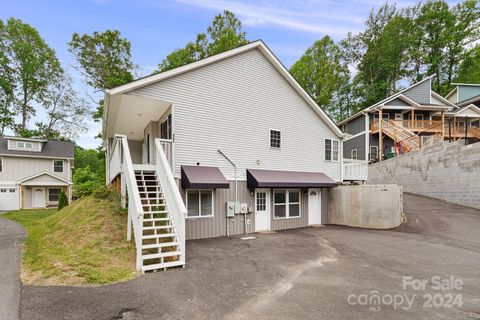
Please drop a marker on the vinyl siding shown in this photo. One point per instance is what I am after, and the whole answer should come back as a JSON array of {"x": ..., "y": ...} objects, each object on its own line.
[
  {"x": 302, "y": 221},
  {"x": 467, "y": 92},
  {"x": 231, "y": 105},
  {"x": 420, "y": 93},
  {"x": 355, "y": 143},
  {"x": 208, "y": 227},
  {"x": 18, "y": 168},
  {"x": 355, "y": 126},
  {"x": 397, "y": 102}
]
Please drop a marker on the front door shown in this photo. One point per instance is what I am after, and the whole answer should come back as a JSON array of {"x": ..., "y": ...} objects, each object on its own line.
[
  {"x": 262, "y": 209},
  {"x": 38, "y": 197},
  {"x": 314, "y": 206}
]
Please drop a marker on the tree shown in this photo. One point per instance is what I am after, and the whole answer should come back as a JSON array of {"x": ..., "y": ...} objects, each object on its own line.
[
  {"x": 66, "y": 111},
  {"x": 224, "y": 34},
  {"x": 469, "y": 69},
  {"x": 6, "y": 86},
  {"x": 104, "y": 59},
  {"x": 32, "y": 62},
  {"x": 94, "y": 159},
  {"x": 62, "y": 200},
  {"x": 321, "y": 72}
]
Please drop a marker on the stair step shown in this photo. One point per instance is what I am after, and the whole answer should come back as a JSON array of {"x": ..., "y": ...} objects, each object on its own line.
[
  {"x": 151, "y": 267},
  {"x": 156, "y": 236},
  {"x": 156, "y": 219},
  {"x": 157, "y": 227},
  {"x": 160, "y": 255},
  {"x": 155, "y": 212},
  {"x": 159, "y": 245},
  {"x": 161, "y": 198}
]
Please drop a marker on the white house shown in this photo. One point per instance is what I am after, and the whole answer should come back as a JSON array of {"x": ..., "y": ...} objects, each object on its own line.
[
  {"x": 33, "y": 172},
  {"x": 227, "y": 145}
]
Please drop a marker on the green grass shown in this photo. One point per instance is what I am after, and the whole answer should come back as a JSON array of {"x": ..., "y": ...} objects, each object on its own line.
[{"x": 82, "y": 244}]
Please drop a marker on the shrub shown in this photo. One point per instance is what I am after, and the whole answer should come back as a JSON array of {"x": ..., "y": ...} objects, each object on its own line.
[
  {"x": 85, "y": 182},
  {"x": 62, "y": 200}
]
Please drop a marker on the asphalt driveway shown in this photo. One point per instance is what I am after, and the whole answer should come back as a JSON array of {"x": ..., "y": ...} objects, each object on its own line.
[
  {"x": 311, "y": 273},
  {"x": 11, "y": 239}
]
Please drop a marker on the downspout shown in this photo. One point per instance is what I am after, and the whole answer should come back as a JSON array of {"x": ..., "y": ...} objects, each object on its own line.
[{"x": 236, "y": 189}]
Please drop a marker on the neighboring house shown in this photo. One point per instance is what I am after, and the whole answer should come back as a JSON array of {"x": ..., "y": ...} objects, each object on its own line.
[
  {"x": 408, "y": 120},
  {"x": 227, "y": 145},
  {"x": 33, "y": 172}
]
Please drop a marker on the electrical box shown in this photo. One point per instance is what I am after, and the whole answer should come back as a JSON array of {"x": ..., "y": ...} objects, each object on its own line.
[
  {"x": 244, "y": 208},
  {"x": 230, "y": 208}
]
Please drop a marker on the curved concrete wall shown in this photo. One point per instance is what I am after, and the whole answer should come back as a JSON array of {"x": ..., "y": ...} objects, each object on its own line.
[{"x": 370, "y": 206}]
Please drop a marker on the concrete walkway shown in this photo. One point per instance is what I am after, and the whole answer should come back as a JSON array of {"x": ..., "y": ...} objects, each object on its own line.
[{"x": 11, "y": 240}]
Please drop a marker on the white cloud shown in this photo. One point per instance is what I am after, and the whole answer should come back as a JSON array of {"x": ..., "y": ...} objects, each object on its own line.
[{"x": 321, "y": 16}]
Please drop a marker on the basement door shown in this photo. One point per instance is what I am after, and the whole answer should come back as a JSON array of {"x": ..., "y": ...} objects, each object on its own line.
[
  {"x": 314, "y": 206},
  {"x": 38, "y": 197},
  {"x": 262, "y": 209}
]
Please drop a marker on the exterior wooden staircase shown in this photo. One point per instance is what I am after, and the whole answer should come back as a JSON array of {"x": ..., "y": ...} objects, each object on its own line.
[
  {"x": 406, "y": 139},
  {"x": 160, "y": 241}
]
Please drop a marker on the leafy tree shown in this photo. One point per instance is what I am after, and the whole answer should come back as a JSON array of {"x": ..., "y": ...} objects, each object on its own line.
[
  {"x": 66, "y": 111},
  {"x": 224, "y": 34},
  {"x": 85, "y": 181},
  {"x": 32, "y": 62},
  {"x": 94, "y": 159},
  {"x": 104, "y": 59},
  {"x": 321, "y": 72},
  {"x": 6, "y": 85},
  {"x": 469, "y": 69}
]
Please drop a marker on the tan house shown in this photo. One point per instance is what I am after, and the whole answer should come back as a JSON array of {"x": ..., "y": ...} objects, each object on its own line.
[{"x": 33, "y": 172}]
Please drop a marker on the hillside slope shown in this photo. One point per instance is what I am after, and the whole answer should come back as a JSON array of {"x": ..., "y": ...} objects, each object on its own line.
[{"x": 82, "y": 244}]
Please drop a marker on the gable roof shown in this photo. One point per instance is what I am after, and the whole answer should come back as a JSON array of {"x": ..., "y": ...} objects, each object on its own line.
[
  {"x": 398, "y": 95},
  {"x": 50, "y": 149},
  {"x": 475, "y": 111},
  {"x": 469, "y": 101},
  {"x": 45, "y": 173},
  {"x": 222, "y": 56}
]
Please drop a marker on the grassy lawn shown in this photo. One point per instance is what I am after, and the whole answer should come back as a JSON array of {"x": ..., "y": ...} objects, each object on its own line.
[{"x": 82, "y": 244}]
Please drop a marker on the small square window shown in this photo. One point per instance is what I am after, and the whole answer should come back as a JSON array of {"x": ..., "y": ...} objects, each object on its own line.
[
  {"x": 275, "y": 139},
  {"x": 58, "y": 166},
  {"x": 28, "y": 145},
  {"x": 21, "y": 145},
  {"x": 199, "y": 203}
]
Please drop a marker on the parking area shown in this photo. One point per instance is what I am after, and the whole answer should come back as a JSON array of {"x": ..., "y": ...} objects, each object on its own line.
[{"x": 308, "y": 273}]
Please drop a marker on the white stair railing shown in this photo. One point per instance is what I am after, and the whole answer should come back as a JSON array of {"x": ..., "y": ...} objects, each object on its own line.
[
  {"x": 174, "y": 200},
  {"x": 135, "y": 209}
]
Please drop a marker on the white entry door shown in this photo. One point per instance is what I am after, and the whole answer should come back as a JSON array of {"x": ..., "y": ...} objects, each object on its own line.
[
  {"x": 38, "y": 197},
  {"x": 262, "y": 209},
  {"x": 314, "y": 206}
]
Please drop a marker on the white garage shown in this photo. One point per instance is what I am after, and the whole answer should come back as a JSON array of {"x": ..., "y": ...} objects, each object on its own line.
[{"x": 9, "y": 198}]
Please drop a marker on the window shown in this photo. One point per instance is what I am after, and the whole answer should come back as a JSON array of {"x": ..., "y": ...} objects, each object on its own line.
[
  {"x": 199, "y": 203},
  {"x": 24, "y": 145},
  {"x": 286, "y": 204},
  {"x": 275, "y": 139},
  {"x": 331, "y": 149},
  {"x": 261, "y": 201},
  {"x": 1, "y": 164},
  {"x": 3, "y": 190},
  {"x": 58, "y": 166},
  {"x": 353, "y": 154},
  {"x": 166, "y": 128},
  {"x": 373, "y": 153},
  {"x": 12, "y": 190},
  {"x": 54, "y": 194}
]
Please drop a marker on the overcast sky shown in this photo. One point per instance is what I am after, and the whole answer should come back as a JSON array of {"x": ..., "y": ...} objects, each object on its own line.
[{"x": 156, "y": 27}]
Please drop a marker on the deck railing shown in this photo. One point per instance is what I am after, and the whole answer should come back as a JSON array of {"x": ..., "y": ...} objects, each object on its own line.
[
  {"x": 167, "y": 146},
  {"x": 355, "y": 170}
]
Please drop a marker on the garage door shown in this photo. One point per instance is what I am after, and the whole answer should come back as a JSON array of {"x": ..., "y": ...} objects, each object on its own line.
[{"x": 9, "y": 198}]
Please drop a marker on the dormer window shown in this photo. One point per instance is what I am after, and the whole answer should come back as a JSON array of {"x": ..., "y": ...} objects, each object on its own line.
[{"x": 24, "y": 145}]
